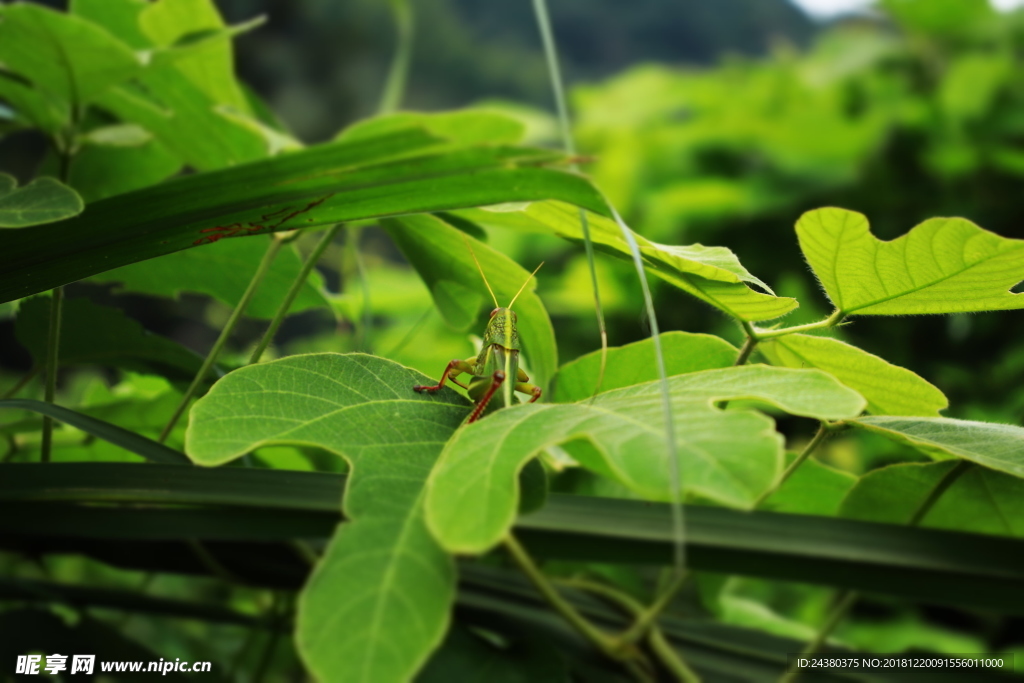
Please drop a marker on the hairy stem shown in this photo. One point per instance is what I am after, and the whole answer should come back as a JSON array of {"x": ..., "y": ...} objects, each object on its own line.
[
  {"x": 848, "y": 598},
  {"x": 748, "y": 346},
  {"x": 293, "y": 292},
  {"x": 229, "y": 326},
  {"x": 52, "y": 361},
  {"x": 834, "y": 319}
]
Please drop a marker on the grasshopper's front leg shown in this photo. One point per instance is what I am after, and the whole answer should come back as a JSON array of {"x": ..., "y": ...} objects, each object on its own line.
[{"x": 455, "y": 368}]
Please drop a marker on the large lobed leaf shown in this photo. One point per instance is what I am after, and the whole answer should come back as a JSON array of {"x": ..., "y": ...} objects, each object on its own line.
[
  {"x": 944, "y": 265},
  {"x": 727, "y": 456},
  {"x": 889, "y": 389},
  {"x": 383, "y": 579},
  {"x": 408, "y": 171}
]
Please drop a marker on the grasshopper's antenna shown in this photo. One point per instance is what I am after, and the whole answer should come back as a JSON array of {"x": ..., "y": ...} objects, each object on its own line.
[
  {"x": 473, "y": 254},
  {"x": 524, "y": 286}
]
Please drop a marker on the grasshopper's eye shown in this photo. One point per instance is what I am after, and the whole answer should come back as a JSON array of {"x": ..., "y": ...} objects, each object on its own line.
[{"x": 494, "y": 312}]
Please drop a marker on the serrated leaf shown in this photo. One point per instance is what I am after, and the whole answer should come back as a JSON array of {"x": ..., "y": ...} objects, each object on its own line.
[
  {"x": 44, "y": 200},
  {"x": 712, "y": 274},
  {"x": 889, "y": 389},
  {"x": 439, "y": 254},
  {"x": 65, "y": 55},
  {"x": 727, "y": 456},
  {"x": 944, "y": 265},
  {"x": 93, "y": 334},
  {"x": 382, "y": 571},
  {"x": 223, "y": 271},
  {"x": 408, "y": 172},
  {"x": 996, "y": 446},
  {"x": 634, "y": 364},
  {"x": 980, "y": 501}
]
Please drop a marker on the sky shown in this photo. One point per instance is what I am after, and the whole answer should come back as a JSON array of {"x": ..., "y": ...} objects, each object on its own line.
[{"x": 830, "y": 8}]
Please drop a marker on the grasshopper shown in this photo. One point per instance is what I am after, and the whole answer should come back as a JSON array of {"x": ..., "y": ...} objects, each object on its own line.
[{"x": 498, "y": 358}]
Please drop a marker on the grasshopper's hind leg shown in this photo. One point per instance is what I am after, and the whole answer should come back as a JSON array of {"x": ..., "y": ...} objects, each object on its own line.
[
  {"x": 497, "y": 379},
  {"x": 455, "y": 368}
]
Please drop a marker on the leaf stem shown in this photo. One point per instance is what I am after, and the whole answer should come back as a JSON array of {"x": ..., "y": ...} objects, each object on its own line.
[
  {"x": 647, "y": 617},
  {"x": 293, "y": 292},
  {"x": 229, "y": 326},
  {"x": 526, "y": 564},
  {"x": 848, "y": 598},
  {"x": 834, "y": 319},
  {"x": 748, "y": 345},
  {"x": 20, "y": 384},
  {"x": 52, "y": 360},
  {"x": 824, "y": 429}
]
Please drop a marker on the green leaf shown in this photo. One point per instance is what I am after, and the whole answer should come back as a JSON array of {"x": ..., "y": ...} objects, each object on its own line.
[
  {"x": 727, "y": 456},
  {"x": 396, "y": 174},
  {"x": 223, "y": 271},
  {"x": 44, "y": 200},
  {"x": 944, "y": 265},
  {"x": 208, "y": 65},
  {"x": 712, "y": 274},
  {"x": 889, "y": 389},
  {"x": 33, "y": 107},
  {"x": 996, "y": 446},
  {"x": 120, "y": 17},
  {"x": 382, "y": 570},
  {"x": 119, "y": 135},
  {"x": 634, "y": 364},
  {"x": 103, "y": 171},
  {"x": 439, "y": 253},
  {"x": 92, "y": 334},
  {"x": 130, "y": 441},
  {"x": 980, "y": 501},
  {"x": 813, "y": 489},
  {"x": 65, "y": 55},
  {"x": 467, "y": 126}
]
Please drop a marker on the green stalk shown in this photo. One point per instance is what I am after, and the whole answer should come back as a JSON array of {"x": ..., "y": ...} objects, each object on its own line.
[
  {"x": 52, "y": 359},
  {"x": 848, "y": 598},
  {"x": 823, "y": 431},
  {"x": 834, "y": 319},
  {"x": 398, "y": 73},
  {"x": 540, "y": 10},
  {"x": 293, "y": 292},
  {"x": 218, "y": 346}
]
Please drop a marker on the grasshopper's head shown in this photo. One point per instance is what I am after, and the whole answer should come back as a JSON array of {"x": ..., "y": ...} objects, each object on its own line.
[{"x": 501, "y": 329}]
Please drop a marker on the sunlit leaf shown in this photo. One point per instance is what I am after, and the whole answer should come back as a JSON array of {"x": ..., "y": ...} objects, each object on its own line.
[
  {"x": 889, "y": 389},
  {"x": 944, "y": 265},
  {"x": 63, "y": 54},
  {"x": 634, "y": 364},
  {"x": 467, "y": 126},
  {"x": 727, "y": 456},
  {"x": 997, "y": 446},
  {"x": 383, "y": 570}
]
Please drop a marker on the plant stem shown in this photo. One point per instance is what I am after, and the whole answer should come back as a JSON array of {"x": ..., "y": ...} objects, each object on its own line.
[
  {"x": 646, "y": 617},
  {"x": 849, "y": 597},
  {"x": 20, "y": 384},
  {"x": 748, "y": 345},
  {"x": 229, "y": 326},
  {"x": 831, "y": 321},
  {"x": 560, "y": 604},
  {"x": 547, "y": 38},
  {"x": 293, "y": 292},
  {"x": 823, "y": 431},
  {"x": 394, "y": 87},
  {"x": 52, "y": 360}
]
